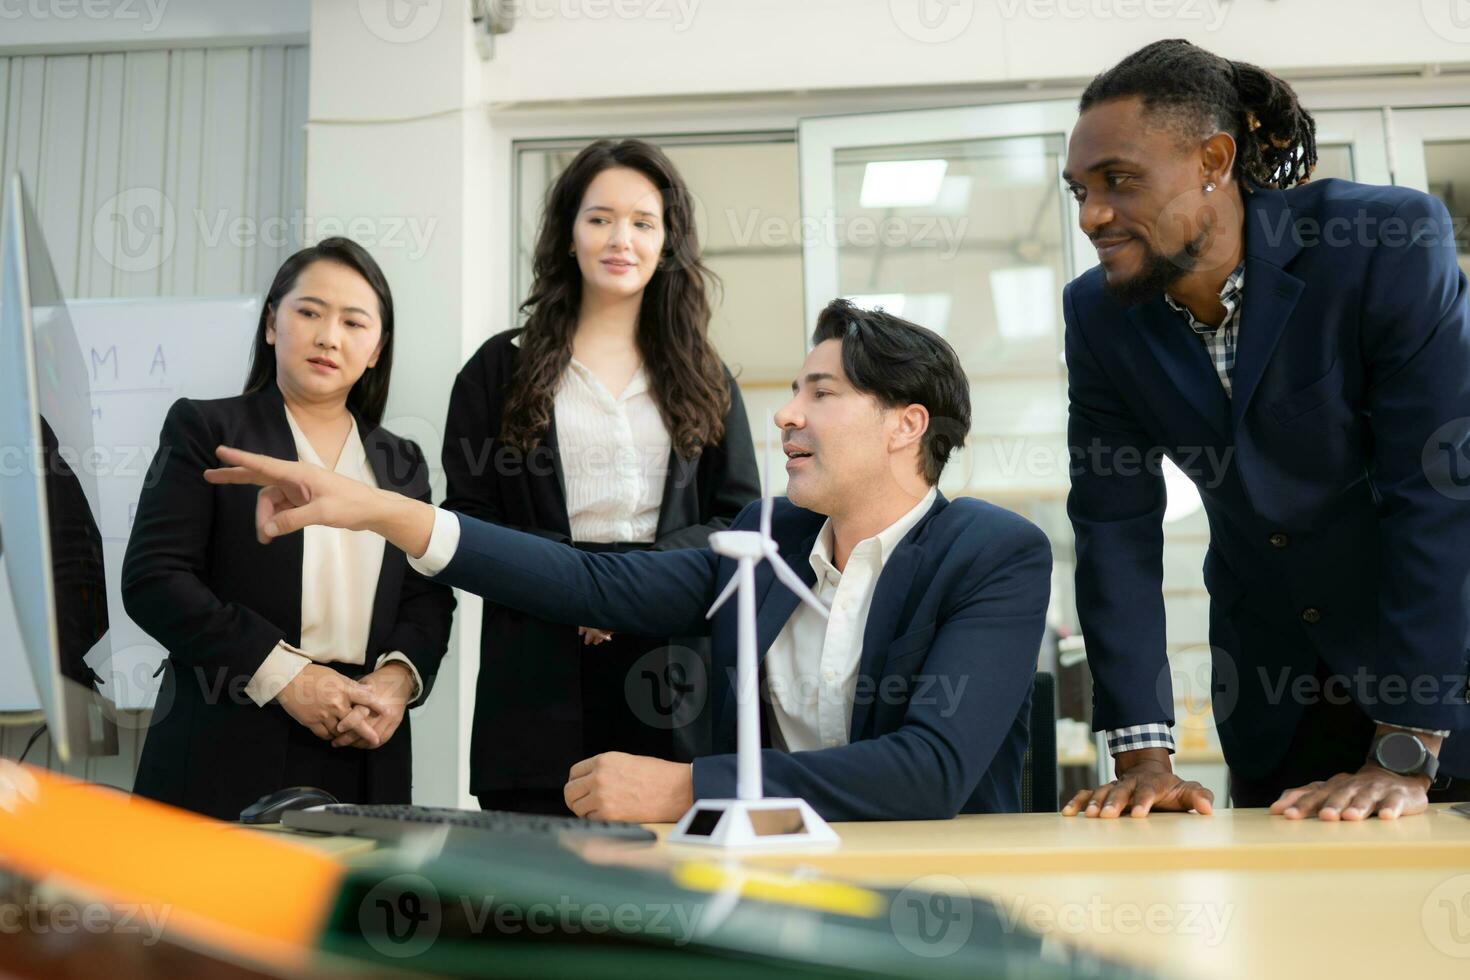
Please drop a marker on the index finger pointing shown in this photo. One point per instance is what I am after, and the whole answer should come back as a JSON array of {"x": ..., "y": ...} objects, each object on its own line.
[
  {"x": 237, "y": 474},
  {"x": 275, "y": 470}
]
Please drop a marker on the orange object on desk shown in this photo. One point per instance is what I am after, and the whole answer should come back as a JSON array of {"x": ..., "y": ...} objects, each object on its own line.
[{"x": 221, "y": 885}]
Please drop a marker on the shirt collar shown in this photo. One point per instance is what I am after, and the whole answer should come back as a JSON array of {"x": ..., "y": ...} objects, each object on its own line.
[
  {"x": 885, "y": 541},
  {"x": 350, "y": 460},
  {"x": 1231, "y": 291},
  {"x": 636, "y": 384}
]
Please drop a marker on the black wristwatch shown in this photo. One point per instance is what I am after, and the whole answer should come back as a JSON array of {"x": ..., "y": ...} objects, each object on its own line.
[{"x": 1405, "y": 754}]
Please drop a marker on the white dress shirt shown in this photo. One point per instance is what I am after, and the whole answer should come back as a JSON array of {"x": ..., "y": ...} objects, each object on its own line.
[
  {"x": 339, "y": 579},
  {"x": 811, "y": 667},
  {"x": 614, "y": 454}
]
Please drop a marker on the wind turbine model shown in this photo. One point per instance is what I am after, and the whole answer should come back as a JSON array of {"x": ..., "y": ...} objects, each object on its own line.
[{"x": 751, "y": 820}]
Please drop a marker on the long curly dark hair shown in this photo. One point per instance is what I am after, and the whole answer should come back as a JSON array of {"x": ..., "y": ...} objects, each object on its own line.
[
  {"x": 686, "y": 377},
  {"x": 1276, "y": 138}
]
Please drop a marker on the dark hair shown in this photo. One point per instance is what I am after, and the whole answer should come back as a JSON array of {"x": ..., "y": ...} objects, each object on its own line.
[
  {"x": 1276, "y": 139},
  {"x": 369, "y": 396},
  {"x": 902, "y": 363},
  {"x": 686, "y": 377}
]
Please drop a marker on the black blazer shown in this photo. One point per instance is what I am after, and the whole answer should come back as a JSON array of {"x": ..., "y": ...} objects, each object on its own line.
[
  {"x": 528, "y": 712},
  {"x": 197, "y": 580}
]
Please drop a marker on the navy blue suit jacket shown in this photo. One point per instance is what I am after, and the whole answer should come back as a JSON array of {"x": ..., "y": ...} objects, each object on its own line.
[
  {"x": 1334, "y": 479},
  {"x": 949, "y": 652}
]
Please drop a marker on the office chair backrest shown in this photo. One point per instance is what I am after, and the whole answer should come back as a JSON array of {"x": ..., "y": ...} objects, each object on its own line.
[{"x": 1039, "y": 769}]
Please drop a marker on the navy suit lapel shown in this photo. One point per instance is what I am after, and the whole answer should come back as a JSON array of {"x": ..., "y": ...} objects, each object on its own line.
[
  {"x": 777, "y": 603},
  {"x": 1270, "y": 292},
  {"x": 884, "y": 613},
  {"x": 1184, "y": 358}
]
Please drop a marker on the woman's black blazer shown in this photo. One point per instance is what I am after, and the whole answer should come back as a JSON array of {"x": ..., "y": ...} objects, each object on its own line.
[
  {"x": 528, "y": 712},
  {"x": 196, "y": 579}
]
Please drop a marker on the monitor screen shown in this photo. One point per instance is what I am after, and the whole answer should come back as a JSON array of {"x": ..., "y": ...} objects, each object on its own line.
[{"x": 49, "y": 536}]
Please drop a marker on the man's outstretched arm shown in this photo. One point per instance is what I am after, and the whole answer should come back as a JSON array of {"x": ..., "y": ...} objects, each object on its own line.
[{"x": 660, "y": 594}]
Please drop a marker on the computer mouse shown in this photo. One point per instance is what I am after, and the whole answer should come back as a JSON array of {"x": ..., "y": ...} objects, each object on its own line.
[{"x": 268, "y": 808}]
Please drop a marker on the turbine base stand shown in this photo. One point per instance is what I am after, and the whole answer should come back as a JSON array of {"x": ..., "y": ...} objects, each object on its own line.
[{"x": 763, "y": 823}]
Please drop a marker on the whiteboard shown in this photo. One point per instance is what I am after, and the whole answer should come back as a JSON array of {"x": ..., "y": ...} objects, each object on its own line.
[{"x": 141, "y": 355}]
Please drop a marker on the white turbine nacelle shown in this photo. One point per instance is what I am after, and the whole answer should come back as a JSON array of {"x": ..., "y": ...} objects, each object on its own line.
[{"x": 737, "y": 544}]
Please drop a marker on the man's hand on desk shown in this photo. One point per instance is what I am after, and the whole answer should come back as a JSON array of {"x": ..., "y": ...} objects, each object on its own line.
[
  {"x": 393, "y": 685},
  {"x": 619, "y": 786},
  {"x": 319, "y": 698},
  {"x": 295, "y": 495},
  {"x": 1357, "y": 796},
  {"x": 1146, "y": 782}
]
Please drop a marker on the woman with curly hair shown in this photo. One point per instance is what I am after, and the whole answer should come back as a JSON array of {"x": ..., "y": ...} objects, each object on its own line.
[{"x": 608, "y": 422}]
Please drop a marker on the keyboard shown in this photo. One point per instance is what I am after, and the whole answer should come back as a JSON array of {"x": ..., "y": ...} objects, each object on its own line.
[{"x": 390, "y": 822}]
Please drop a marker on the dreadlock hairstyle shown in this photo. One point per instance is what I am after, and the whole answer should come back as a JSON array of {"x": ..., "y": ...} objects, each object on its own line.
[{"x": 1275, "y": 138}]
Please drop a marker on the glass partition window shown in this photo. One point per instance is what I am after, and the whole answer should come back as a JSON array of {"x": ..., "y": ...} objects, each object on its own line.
[
  {"x": 968, "y": 239},
  {"x": 963, "y": 238},
  {"x": 1447, "y": 165}
]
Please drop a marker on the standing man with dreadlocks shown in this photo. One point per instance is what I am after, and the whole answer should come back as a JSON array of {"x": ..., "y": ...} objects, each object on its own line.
[{"x": 1302, "y": 352}]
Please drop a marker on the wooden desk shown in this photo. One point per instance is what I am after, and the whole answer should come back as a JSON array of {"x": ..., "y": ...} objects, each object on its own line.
[
  {"x": 1237, "y": 894},
  {"x": 1227, "y": 840}
]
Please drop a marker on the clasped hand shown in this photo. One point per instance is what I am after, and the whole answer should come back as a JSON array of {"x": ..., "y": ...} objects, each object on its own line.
[{"x": 348, "y": 713}]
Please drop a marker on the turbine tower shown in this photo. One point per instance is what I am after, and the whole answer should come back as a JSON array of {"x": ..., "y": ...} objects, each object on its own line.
[{"x": 751, "y": 819}]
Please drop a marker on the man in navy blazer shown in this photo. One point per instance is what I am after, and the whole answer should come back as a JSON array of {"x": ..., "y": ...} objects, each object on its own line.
[
  {"x": 1302, "y": 352},
  {"x": 911, "y": 702}
]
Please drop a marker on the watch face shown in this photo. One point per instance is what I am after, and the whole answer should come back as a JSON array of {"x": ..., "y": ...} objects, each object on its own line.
[{"x": 1400, "y": 752}]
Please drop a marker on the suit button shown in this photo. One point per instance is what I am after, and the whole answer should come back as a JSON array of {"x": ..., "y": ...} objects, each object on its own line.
[
  {"x": 1279, "y": 540},
  {"x": 1311, "y": 614}
]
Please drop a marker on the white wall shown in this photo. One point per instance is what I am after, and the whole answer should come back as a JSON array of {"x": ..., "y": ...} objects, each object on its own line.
[
  {"x": 396, "y": 153},
  {"x": 584, "y": 49}
]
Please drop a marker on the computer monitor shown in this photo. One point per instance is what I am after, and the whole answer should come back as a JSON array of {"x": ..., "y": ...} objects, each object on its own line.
[{"x": 49, "y": 536}]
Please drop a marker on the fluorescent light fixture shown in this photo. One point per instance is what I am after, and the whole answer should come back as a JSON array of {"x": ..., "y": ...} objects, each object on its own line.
[
  {"x": 1026, "y": 163},
  {"x": 929, "y": 310},
  {"x": 954, "y": 194},
  {"x": 902, "y": 183},
  {"x": 926, "y": 309},
  {"x": 1025, "y": 299},
  {"x": 888, "y": 302}
]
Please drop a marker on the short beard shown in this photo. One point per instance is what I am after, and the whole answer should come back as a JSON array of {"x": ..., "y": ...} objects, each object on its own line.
[{"x": 1159, "y": 272}]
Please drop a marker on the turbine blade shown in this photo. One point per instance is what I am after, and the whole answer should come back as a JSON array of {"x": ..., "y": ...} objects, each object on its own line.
[
  {"x": 793, "y": 581},
  {"x": 724, "y": 596}
]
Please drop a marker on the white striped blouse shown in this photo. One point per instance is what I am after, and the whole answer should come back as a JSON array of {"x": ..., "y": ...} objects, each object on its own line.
[{"x": 614, "y": 457}]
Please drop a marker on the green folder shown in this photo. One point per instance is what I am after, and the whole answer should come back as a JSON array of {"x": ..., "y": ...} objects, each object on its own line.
[{"x": 480, "y": 904}]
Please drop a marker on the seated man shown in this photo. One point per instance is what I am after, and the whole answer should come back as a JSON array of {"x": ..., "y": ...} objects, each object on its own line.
[{"x": 910, "y": 702}]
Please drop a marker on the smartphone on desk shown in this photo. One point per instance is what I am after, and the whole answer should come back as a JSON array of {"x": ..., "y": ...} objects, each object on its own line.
[{"x": 1463, "y": 809}]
